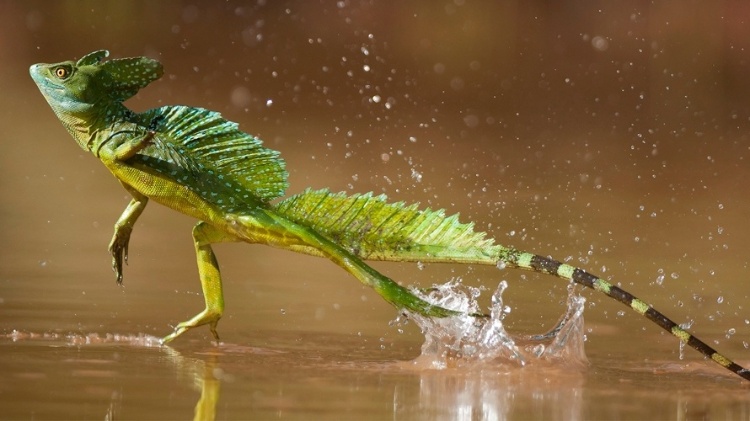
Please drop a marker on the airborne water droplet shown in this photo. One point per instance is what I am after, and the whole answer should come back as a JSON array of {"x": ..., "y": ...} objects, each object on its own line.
[
  {"x": 416, "y": 175},
  {"x": 730, "y": 332}
]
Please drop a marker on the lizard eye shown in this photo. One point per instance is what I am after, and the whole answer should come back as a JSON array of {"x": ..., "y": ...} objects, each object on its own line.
[{"x": 62, "y": 72}]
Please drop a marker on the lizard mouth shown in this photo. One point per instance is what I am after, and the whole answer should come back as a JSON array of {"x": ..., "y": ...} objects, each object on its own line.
[{"x": 43, "y": 82}]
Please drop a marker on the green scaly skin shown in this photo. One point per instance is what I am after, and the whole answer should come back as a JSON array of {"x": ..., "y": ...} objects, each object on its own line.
[{"x": 195, "y": 162}]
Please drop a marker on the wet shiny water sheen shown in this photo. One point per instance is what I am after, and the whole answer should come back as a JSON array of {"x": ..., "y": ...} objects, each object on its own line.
[
  {"x": 324, "y": 376},
  {"x": 600, "y": 134}
]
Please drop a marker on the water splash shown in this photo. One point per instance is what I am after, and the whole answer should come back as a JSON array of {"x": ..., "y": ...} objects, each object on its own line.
[
  {"x": 468, "y": 340},
  {"x": 79, "y": 339}
]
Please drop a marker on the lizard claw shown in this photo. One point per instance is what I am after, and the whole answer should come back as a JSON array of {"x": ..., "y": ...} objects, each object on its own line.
[
  {"x": 118, "y": 247},
  {"x": 207, "y": 316}
]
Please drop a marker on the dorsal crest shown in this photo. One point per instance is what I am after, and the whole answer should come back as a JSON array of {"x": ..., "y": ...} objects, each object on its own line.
[{"x": 199, "y": 138}]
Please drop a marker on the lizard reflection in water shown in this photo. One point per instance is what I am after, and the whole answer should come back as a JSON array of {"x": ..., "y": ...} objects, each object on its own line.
[{"x": 195, "y": 162}]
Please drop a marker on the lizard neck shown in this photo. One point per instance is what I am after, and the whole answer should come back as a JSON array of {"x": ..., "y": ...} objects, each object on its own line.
[{"x": 89, "y": 125}]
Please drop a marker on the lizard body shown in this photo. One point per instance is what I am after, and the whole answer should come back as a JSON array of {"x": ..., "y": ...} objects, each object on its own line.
[{"x": 195, "y": 162}]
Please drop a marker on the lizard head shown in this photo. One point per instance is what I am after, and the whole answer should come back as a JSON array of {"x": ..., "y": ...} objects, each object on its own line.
[
  {"x": 88, "y": 81},
  {"x": 85, "y": 90}
]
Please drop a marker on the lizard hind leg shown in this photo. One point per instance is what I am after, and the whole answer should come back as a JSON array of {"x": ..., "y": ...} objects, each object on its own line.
[{"x": 204, "y": 235}]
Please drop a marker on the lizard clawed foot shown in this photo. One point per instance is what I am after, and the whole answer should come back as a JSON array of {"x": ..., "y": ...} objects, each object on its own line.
[
  {"x": 118, "y": 247},
  {"x": 205, "y": 317}
]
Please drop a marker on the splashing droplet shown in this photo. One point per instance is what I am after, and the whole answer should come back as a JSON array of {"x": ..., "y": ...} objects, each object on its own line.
[
  {"x": 685, "y": 326},
  {"x": 660, "y": 280},
  {"x": 471, "y": 339}
]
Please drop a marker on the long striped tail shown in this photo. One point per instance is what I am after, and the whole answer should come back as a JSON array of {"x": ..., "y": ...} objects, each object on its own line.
[{"x": 536, "y": 263}]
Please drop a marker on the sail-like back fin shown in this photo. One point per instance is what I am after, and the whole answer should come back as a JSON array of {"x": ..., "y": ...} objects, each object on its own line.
[
  {"x": 372, "y": 228},
  {"x": 203, "y": 138}
]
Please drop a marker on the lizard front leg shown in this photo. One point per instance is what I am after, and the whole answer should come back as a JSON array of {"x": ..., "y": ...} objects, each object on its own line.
[
  {"x": 118, "y": 246},
  {"x": 123, "y": 145},
  {"x": 204, "y": 235}
]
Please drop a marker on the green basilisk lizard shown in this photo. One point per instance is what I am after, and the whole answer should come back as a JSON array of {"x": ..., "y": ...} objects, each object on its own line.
[{"x": 195, "y": 162}]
